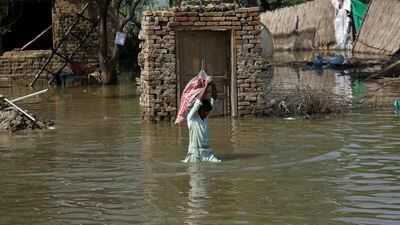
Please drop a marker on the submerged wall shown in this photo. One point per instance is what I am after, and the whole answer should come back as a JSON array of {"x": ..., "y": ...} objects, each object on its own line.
[
  {"x": 158, "y": 57},
  {"x": 305, "y": 26}
]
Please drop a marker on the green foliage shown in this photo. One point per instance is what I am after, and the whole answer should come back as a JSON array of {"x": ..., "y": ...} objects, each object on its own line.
[
  {"x": 276, "y": 4},
  {"x": 296, "y": 2},
  {"x": 145, "y": 5},
  {"x": 126, "y": 7}
]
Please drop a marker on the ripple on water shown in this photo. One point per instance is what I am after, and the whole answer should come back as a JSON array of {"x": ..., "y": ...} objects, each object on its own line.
[{"x": 112, "y": 169}]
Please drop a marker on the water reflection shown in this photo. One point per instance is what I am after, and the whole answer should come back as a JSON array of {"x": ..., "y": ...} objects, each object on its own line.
[
  {"x": 289, "y": 74},
  {"x": 285, "y": 79},
  {"x": 197, "y": 204}
]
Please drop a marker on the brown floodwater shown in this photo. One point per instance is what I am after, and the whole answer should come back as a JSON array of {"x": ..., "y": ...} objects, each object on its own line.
[{"x": 101, "y": 165}]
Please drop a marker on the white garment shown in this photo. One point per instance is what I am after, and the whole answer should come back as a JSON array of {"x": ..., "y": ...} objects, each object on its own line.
[
  {"x": 347, "y": 5},
  {"x": 199, "y": 148},
  {"x": 341, "y": 24},
  {"x": 335, "y": 4}
]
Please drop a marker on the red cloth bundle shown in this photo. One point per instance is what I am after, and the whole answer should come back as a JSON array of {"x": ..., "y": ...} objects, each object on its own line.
[{"x": 189, "y": 94}]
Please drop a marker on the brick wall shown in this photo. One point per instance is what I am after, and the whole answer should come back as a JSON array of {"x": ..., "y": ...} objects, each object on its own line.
[
  {"x": 64, "y": 14},
  {"x": 24, "y": 64},
  {"x": 28, "y": 63},
  {"x": 157, "y": 59}
]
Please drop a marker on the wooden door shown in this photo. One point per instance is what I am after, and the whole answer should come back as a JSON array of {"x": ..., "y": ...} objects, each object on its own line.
[{"x": 208, "y": 50}]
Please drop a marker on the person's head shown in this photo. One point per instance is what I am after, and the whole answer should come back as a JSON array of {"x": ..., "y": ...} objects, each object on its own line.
[{"x": 205, "y": 108}]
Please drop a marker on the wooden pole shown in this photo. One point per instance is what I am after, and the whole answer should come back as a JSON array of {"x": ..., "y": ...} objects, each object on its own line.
[
  {"x": 392, "y": 68},
  {"x": 19, "y": 109},
  {"x": 28, "y": 96},
  {"x": 37, "y": 37}
]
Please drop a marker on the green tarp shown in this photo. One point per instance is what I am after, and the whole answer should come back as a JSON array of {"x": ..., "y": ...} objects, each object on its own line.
[{"x": 358, "y": 9}]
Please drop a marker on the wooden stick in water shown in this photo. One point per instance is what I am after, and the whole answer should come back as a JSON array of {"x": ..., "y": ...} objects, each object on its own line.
[
  {"x": 19, "y": 109},
  {"x": 28, "y": 96}
]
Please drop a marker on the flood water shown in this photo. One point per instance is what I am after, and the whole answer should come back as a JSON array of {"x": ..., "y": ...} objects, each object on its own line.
[{"x": 101, "y": 165}]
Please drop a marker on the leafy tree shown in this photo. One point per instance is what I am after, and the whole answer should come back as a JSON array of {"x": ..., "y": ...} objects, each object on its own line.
[
  {"x": 275, "y": 4},
  {"x": 124, "y": 13}
]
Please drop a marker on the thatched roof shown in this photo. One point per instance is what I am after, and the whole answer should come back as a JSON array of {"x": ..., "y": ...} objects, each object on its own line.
[
  {"x": 380, "y": 30},
  {"x": 310, "y": 23}
]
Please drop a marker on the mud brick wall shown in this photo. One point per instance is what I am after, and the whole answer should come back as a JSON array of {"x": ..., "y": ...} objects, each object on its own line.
[
  {"x": 157, "y": 59},
  {"x": 28, "y": 63},
  {"x": 17, "y": 64},
  {"x": 64, "y": 14}
]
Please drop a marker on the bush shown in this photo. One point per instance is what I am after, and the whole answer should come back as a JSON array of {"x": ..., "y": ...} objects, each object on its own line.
[{"x": 303, "y": 101}]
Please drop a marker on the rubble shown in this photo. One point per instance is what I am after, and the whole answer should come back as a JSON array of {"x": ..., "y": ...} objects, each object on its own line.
[{"x": 12, "y": 120}]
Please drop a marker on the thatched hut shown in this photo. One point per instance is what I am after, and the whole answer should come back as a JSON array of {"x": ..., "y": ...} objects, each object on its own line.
[
  {"x": 305, "y": 26},
  {"x": 380, "y": 30}
]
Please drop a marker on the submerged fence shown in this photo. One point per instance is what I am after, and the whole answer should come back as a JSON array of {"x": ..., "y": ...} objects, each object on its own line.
[{"x": 305, "y": 26}]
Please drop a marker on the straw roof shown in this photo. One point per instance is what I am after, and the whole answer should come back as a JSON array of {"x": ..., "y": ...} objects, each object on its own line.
[
  {"x": 380, "y": 30},
  {"x": 305, "y": 26}
]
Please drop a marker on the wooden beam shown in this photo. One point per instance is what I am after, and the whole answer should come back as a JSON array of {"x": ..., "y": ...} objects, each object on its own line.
[
  {"x": 19, "y": 109},
  {"x": 28, "y": 96},
  {"x": 391, "y": 69},
  {"x": 37, "y": 37},
  {"x": 234, "y": 90}
]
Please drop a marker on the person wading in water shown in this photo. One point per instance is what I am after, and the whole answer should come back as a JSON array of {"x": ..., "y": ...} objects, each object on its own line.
[{"x": 199, "y": 149}]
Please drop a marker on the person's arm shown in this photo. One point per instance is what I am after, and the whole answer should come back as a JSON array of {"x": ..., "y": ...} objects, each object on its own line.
[
  {"x": 214, "y": 95},
  {"x": 194, "y": 109},
  {"x": 214, "y": 91},
  {"x": 198, "y": 103},
  {"x": 203, "y": 92}
]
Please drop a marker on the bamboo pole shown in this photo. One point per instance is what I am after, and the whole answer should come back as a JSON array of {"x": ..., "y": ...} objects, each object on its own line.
[
  {"x": 37, "y": 37},
  {"x": 30, "y": 95},
  {"x": 392, "y": 67},
  {"x": 19, "y": 109}
]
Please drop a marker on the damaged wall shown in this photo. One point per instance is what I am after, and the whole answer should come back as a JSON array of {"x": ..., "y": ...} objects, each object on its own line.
[
  {"x": 380, "y": 30},
  {"x": 19, "y": 64},
  {"x": 64, "y": 14},
  {"x": 28, "y": 63},
  {"x": 22, "y": 24},
  {"x": 305, "y": 26},
  {"x": 158, "y": 100}
]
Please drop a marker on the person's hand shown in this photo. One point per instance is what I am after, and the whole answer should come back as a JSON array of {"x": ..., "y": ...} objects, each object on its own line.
[{"x": 209, "y": 80}]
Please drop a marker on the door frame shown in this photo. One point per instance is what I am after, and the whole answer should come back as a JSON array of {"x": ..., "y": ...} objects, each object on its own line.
[{"x": 233, "y": 56}]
